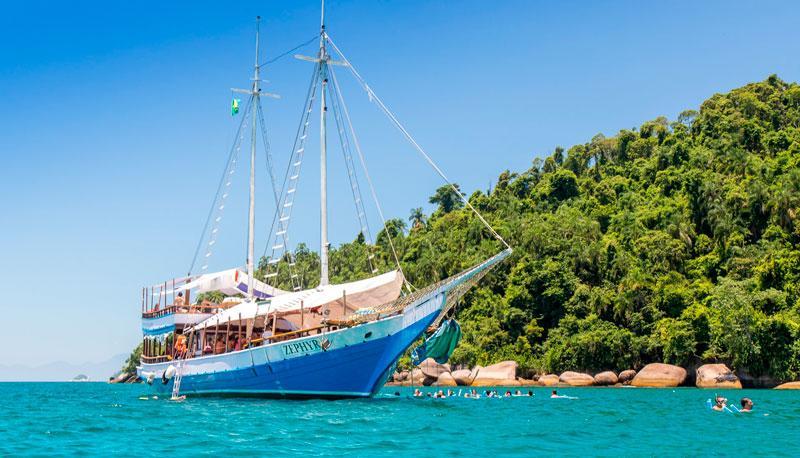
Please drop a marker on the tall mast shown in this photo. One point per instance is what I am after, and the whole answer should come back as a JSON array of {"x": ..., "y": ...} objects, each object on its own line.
[
  {"x": 323, "y": 162},
  {"x": 252, "y": 212}
]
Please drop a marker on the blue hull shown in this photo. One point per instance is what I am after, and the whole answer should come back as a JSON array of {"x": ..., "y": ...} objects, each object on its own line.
[{"x": 358, "y": 370}]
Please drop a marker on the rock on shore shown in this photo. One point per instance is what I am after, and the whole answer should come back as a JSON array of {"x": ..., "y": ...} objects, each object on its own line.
[
  {"x": 576, "y": 379},
  {"x": 716, "y": 376},
  {"x": 789, "y": 386},
  {"x": 626, "y": 376},
  {"x": 500, "y": 374},
  {"x": 606, "y": 378},
  {"x": 445, "y": 379},
  {"x": 464, "y": 377},
  {"x": 548, "y": 380},
  {"x": 660, "y": 375}
]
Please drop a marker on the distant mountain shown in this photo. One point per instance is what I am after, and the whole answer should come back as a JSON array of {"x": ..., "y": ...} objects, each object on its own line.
[{"x": 60, "y": 371}]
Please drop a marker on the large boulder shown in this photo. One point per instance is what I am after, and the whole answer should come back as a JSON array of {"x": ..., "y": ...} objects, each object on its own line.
[
  {"x": 445, "y": 379},
  {"x": 716, "y": 376},
  {"x": 626, "y": 377},
  {"x": 417, "y": 377},
  {"x": 548, "y": 380},
  {"x": 500, "y": 374},
  {"x": 606, "y": 378},
  {"x": 527, "y": 382},
  {"x": 401, "y": 376},
  {"x": 660, "y": 375},
  {"x": 788, "y": 386},
  {"x": 432, "y": 369},
  {"x": 464, "y": 377},
  {"x": 576, "y": 379}
]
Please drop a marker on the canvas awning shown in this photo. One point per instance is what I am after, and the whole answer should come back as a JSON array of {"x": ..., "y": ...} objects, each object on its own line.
[{"x": 371, "y": 291}]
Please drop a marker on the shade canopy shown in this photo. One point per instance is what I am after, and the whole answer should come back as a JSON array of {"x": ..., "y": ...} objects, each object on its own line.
[{"x": 371, "y": 291}]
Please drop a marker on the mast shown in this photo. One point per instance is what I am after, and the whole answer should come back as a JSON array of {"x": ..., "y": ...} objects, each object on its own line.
[
  {"x": 323, "y": 161},
  {"x": 252, "y": 211}
]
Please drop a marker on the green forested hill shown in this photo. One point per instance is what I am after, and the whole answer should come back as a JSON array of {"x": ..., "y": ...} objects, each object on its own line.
[{"x": 673, "y": 242}]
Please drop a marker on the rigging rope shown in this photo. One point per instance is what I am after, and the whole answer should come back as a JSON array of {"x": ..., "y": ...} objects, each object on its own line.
[
  {"x": 374, "y": 98},
  {"x": 270, "y": 169},
  {"x": 280, "y": 56},
  {"x": 355, "y": 189},
  {"x": 357, "y": 145},
  {"x": 230, "y": 165},
  {"x": 289, "y": 185}
]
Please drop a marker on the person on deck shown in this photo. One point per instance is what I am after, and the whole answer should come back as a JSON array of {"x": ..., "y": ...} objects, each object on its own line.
[
  {"x": 207, "y": 350},
  {"x": 219, "y": 347},
  {"x": 180, "y": 346},
  {"x": 238, "y": 345},
  {"x": 180, "y": 301}
]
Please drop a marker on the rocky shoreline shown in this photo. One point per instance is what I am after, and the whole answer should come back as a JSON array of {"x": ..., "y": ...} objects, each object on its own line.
[
  {"x": 125, "y": 377},
  {"x": 654, "y": 375}
]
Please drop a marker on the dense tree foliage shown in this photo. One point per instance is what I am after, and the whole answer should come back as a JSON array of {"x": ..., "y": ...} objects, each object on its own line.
[{"x": 675, "y": 242}]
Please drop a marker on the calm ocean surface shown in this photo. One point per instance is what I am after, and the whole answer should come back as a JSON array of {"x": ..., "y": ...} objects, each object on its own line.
[{"x": 97, "y": 419}]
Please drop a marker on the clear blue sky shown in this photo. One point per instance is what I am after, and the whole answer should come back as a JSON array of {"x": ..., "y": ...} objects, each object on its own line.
[{"x": 114, "y": 123}]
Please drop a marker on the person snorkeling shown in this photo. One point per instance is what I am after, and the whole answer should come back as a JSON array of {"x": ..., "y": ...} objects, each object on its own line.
[{"x": 720, "y": 404}]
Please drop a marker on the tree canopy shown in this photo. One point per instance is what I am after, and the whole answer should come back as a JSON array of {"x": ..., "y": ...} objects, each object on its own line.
[{"x": 675, "y": 241}]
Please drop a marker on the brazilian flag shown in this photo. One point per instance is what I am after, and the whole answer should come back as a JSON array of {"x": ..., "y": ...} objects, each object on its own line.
[{"x": 235, "y": 107}]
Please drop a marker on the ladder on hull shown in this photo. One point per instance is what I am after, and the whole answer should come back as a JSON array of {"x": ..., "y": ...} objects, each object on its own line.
[{"x": 176, "y": 385}]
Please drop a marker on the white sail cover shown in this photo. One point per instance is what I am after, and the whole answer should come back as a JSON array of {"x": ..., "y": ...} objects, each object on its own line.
[
  {"x": 230, "y": 282},
  {"x": 369, "y": 292}
]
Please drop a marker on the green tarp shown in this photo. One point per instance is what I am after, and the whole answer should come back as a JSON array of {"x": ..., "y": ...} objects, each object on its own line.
[{"x": 439, "y": 345}]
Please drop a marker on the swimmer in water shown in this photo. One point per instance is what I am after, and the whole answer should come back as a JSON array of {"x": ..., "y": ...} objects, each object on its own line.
[
  {"x": 508, "y": 393},
  {"x": 417, "y": 393},
  {"x": 450, "y": 393},
  {"x": 530, "y": 393},
  {"x": 554, "y": 395},
  {"x": 721, "y": 404},
  {"x": 747, "y": 405}
]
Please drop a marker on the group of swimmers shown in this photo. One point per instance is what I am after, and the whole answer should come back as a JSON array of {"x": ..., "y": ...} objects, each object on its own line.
[
  {"x": 474, "y": 394},
  {"x": 721, "y": 405}
]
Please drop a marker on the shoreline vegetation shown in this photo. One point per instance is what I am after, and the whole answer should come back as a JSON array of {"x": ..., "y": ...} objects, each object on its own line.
[{"x": 675, "y": 242}]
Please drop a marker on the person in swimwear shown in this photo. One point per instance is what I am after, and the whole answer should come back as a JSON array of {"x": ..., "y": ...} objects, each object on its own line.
[
  {"x": 747, "y": 405},
  {"x": 417, "y": 393},
  {"x": 554, "y": 394},
  {"x": 721, "y": 404}
]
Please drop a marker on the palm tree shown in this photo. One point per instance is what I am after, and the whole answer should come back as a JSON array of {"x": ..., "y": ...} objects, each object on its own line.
[
  {"x": 417, "y": 218},
  {"x": 447, "y": 198}
]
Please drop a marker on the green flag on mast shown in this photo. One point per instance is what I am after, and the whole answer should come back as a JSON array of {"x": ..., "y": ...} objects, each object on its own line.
[{"x": 235, "y": 107}]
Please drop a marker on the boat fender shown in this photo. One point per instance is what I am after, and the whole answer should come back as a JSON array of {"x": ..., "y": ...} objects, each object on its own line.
[
  {"x": 168, "y": 374},
  {"x": 148, "y": 377}
]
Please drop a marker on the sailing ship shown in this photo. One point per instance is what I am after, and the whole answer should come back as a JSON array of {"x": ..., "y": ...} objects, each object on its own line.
[{"x": 330, "y": 341}]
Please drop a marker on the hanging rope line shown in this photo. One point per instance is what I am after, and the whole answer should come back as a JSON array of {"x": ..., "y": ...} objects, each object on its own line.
[
  {"x": 283, "y": 211},
  {"x": 282, "y": 55},
  {"x": 219, "y": 196},
  {"x": 270, "y": 169},
  {"x": 374, "y": 98},
  {"x": 352, "y": 177},
  {"x": 357, "y": 145}
]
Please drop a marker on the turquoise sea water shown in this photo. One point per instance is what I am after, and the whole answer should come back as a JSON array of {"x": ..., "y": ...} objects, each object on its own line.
[{"x": 98, "y": 419}]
